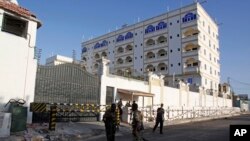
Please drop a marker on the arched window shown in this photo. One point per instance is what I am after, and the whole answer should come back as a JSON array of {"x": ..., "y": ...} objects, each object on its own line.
[
  {"x": 149, "y": 29},
  {"x": 119, "y": 72},
  {"x": 129, "y": 48},
  {"x": 128, "y": 59},
  {"x": 120, "y": 38},
  {"x": 104, "y": 43},
  {"x": 191, "y": 47},
  {"x": 97, "y": 45},
  {"x": 162, "y": 39},
  {"x": 84, "y": 49},
  {"x": 150, "y": 55},
  {"x": 162, "y": 67},
  {"x": 150, "y": 68},
  {"x": 120, "y": 50},
  {"x": 190, "y": 32},
  {"x": 150, "y": 42},
  {"x": 162, "y": 52},
  {"x": 84, "y": 59},
  {"x": 189, "y": 17},
  {"x": 161, "y": 25},
  {"x": 96, "y": 66},
  {"x": 119, "y": 61},
  {"x": 97, "y": 56},
  {"x": 104, "y": 54},
  {"x": 128, "y": 35}
]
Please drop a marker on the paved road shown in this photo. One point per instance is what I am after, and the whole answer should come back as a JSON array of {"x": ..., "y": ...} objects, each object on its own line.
[{"x": 213, "y": 130}]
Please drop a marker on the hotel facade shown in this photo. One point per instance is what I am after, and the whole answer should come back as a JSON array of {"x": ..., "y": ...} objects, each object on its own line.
[{"x": 182, "y": 44}]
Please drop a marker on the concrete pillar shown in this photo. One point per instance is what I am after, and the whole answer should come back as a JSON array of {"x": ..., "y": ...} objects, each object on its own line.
[{"x": 103, "y": 71}]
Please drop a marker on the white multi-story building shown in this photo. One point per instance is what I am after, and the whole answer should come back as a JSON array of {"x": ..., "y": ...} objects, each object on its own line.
[
  {"x": 57, "y": 60},
  {"x": 18, "y": 27},
  {"x": 181, "y": 44}
]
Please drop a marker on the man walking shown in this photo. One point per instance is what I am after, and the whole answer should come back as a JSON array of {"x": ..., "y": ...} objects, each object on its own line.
[
  {"x": 137, "y": 123},
  {"x": 110, "y": 120},
  {"x": 159, "y": 118}
]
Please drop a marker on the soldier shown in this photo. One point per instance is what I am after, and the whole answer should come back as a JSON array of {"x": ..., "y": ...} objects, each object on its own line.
[
  {"x": 159, "y": 118},
  {"x": 110, "y": 120},
  {"x": 137, "y": 122}
]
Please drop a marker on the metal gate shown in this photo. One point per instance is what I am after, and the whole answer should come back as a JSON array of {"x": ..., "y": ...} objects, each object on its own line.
[{"x": 66, "y": 83}]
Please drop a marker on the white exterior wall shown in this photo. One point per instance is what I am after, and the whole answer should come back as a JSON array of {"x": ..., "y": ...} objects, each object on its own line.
[
  {"x": 173, "y": 97},
  {"x": 18, "y": 66},
  {"x": 200, "y": 76},
  {"x": 174, "y": 44},
  {"x": 57, "y": 60},
  {"x": 138, "y": 50}
]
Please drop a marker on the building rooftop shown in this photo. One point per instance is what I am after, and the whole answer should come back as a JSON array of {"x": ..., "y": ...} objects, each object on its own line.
[{"x": 12, "y": 7}]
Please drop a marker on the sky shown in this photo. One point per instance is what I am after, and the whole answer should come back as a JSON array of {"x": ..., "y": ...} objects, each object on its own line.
[{"x": 66, "y": 23}]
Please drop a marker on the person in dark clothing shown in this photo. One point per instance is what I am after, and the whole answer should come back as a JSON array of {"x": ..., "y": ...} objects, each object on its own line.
[
  {"x": 119, "y": 104},
  {"x": 159, "y": 118},
  {"x": 137, "y": 123},
  {"x": 110, "y": 120}
]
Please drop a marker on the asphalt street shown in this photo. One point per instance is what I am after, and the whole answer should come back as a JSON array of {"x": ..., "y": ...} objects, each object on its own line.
[{"x": 212, "y": 130}]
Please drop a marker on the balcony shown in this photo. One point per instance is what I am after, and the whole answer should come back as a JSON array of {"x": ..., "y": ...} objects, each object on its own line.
[
  {"x": 100, "y": 49},
  {"x": 190, "y": 38},
  {"x": 190, "y": 53},
  {"x": 156, "y": 59},
  {"x": 127, "y": 64},
  {"x": 190, "y": 34},
  {"x": 191, "y": 70},
  {"x": 190, "y": 23},
  {"x": 155, "y": 33},
  {"x": 155, "y": 46},
  {"x": 124, "y": 42}
]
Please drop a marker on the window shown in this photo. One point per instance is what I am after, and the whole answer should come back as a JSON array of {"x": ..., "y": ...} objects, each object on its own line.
[
  {"x": 171, "y": 65},
  {"x": 205, "y": 52},
  {"x": 188, "y": 17},
  {"x": 170, "y": 23},
  {"x": 149, "y": 29},
  {"x": 178, "y": 35},
  {"x": 141, "y": 44},
  {"x": 128, "y": 35},
  {"x": 195, "y": 64},
  {"x": 161, "y": 25},
  {"x": 205, "y": 66},
  {"x": 135, "y": 34},
  {"x": 120, "y": 38},
  {"x": 204, "y": 37},
  {"x": 179, "y": 49},
  {"x": 178, "y": 21},
  {"x": 209, "y": 29},
  {"x": 170, "y": 37},
  {"x": 205, "y": 81},
  {"x": 209, "y": 43},
  {"x": 14, "y": 26},
  {"x": 179, "y": 64},
  {"x": 171, "y": 50}
]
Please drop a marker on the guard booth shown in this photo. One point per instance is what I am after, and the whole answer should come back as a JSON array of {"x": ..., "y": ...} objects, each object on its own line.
[
  {"x": 66, "y": 84},
  {"x": 143, "y": 99}
]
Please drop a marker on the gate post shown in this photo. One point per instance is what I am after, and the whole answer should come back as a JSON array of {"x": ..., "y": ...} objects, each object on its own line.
[{"x": 52, "y": 120}]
